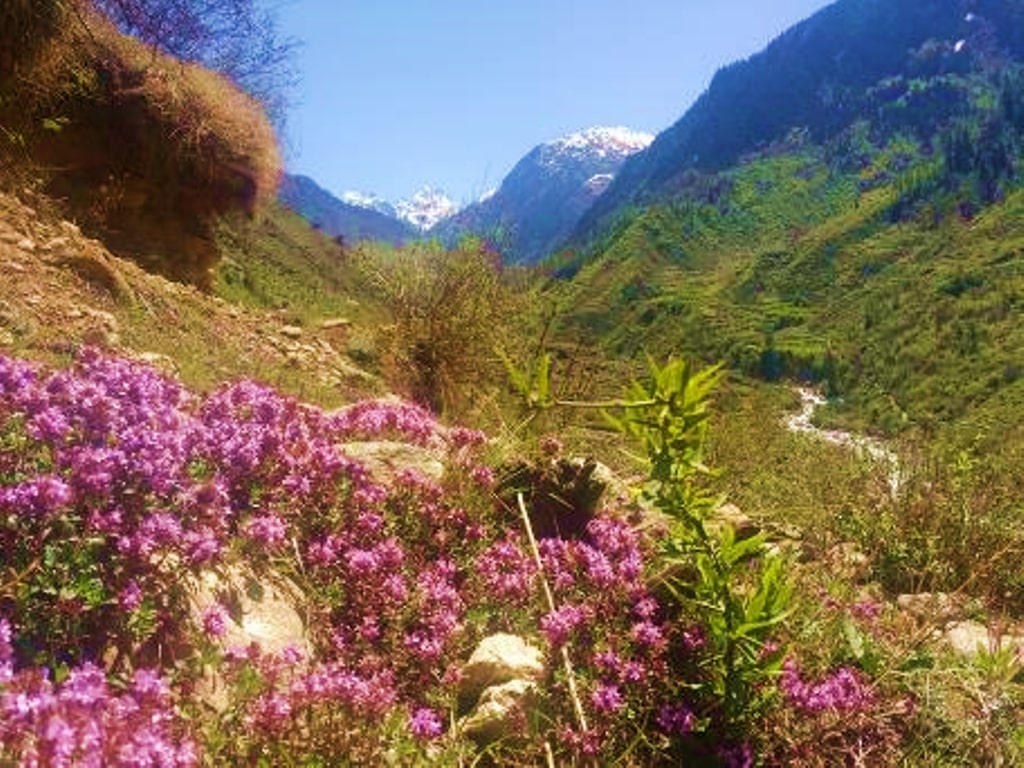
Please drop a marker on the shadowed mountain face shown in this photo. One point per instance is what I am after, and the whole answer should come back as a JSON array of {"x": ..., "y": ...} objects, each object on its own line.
[
  {"x": 539, "y": 203},
  {"x": 820, "y": 75},
  {"x": 339, "y": 219}
]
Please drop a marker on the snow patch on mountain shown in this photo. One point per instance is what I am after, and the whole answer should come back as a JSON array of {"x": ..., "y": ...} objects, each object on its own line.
[
  {"x": 601, "y": 142},
  {"x": 423, "y": 210},
  {"x": 370, "y": 202},
  {"x": 426, "y": 208},
  {"x": 598, "y": 183}
]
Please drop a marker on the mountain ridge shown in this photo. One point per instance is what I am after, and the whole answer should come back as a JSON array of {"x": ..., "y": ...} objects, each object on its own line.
[
  {"x": 816, "y": 75},
  {"x": 539, "y": 201},
  {"x": 339, "y": 218}
]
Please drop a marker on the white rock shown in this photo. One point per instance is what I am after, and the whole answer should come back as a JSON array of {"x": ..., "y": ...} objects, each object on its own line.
[
  {"x": 384, "y": 458},
  {"x": 969, "y": 638},
  {"x": 262, "y": 609},
  {"x": 499, "y": 659},
  {"x": 335, "y": 322}
]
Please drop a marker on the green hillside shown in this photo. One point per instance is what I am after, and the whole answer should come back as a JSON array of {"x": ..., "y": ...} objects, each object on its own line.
[{"x": 878, "y": 265}]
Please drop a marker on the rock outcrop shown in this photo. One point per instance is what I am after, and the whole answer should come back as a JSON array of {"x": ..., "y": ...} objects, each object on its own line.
[{"x": 498, "y": 686}]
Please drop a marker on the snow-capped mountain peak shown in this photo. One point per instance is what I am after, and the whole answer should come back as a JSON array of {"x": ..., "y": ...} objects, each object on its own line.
[
  {"x": 426, "y": 208},
  {"x": 602, "y": 142},
  {"x": 423, "y": 210},
  {"x": 540, "y": 201},
  {"x": 370, "y": 202}
]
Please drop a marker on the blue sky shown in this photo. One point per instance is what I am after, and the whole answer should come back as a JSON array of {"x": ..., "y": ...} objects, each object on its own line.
[{"x": 398, "y": 94}]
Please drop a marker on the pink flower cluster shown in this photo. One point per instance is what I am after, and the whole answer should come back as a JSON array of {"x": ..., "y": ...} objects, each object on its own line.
[
  {"x": 82, "y": 722},
  {"x": 378, "y": 418},
  {"x": 844, "y": 690},
  {"x": 159, "y": 482},
  {"x": 146, "y": 483}
]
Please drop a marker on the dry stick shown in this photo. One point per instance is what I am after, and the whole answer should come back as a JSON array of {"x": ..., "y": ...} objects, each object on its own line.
[
  {"x": 549, "y": 756},
  {"x": 581, "y": 719}
]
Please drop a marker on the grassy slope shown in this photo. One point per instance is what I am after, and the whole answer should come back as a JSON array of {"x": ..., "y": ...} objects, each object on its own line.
[{"x": 797, "y": 274}]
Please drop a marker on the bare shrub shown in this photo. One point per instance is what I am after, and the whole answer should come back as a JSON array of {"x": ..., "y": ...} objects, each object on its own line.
[{"x": 450, "y": 310}]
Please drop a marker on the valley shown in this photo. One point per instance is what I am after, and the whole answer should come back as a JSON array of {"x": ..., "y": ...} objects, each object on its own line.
[{"x": 717, "y": 431}]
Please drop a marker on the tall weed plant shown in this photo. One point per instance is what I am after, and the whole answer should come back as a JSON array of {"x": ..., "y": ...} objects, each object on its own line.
[{"x": 449, "y": 308}]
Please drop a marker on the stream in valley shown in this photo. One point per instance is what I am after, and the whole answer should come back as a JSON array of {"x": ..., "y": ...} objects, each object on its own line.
[{"x": 870, "y": 447}]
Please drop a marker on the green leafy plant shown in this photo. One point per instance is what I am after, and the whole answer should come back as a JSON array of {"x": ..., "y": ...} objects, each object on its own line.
[{"x": 732, "y": 587}]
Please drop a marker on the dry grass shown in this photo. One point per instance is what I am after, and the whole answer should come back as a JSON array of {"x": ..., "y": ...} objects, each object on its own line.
[
  {"x": 24, "y": 26},
  {"x": 210, "y": 121},
  {"x": 146, "y": 151}
]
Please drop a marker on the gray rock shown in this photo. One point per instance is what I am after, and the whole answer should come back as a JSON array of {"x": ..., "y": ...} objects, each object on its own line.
[
  {"x": 933, "y": 607},
  {"x": 969, "y": 638},
  {"x": 262, "y": 609},
  {"x": 384, "y": 458},
  {"x": 335, "y": 322},
  {"x": 497, "y": 660}
]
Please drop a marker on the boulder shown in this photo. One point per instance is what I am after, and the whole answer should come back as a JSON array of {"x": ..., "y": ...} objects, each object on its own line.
[
  {"x": 500, "y": 713},
  {"x": 384, "y": 458},
  {"x": 497, "y": 660},
  {"x": 261, "y": 609},
  {"x": 498, "y": 686}
]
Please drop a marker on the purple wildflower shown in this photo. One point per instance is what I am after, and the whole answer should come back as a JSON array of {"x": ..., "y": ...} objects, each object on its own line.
[
  {"x": 361, "y": 562},
  {"x": 607, "y": 698},
  {"x": 267, "y": 530},
  {"x": 843, "y": 690},
  {"x": 215, "y": 620},
  {"x": 508, "y": 572},
  {"x": 649, "y": 635},
  {"x": 676, "y": 719},
  {"x": 737, "y": 756},
  {"x": 425, "y": 723},
  {"x": 130, "y": 597},
  {"x": 40, "y": 495},
  {"x": 558, "y": 625}
]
